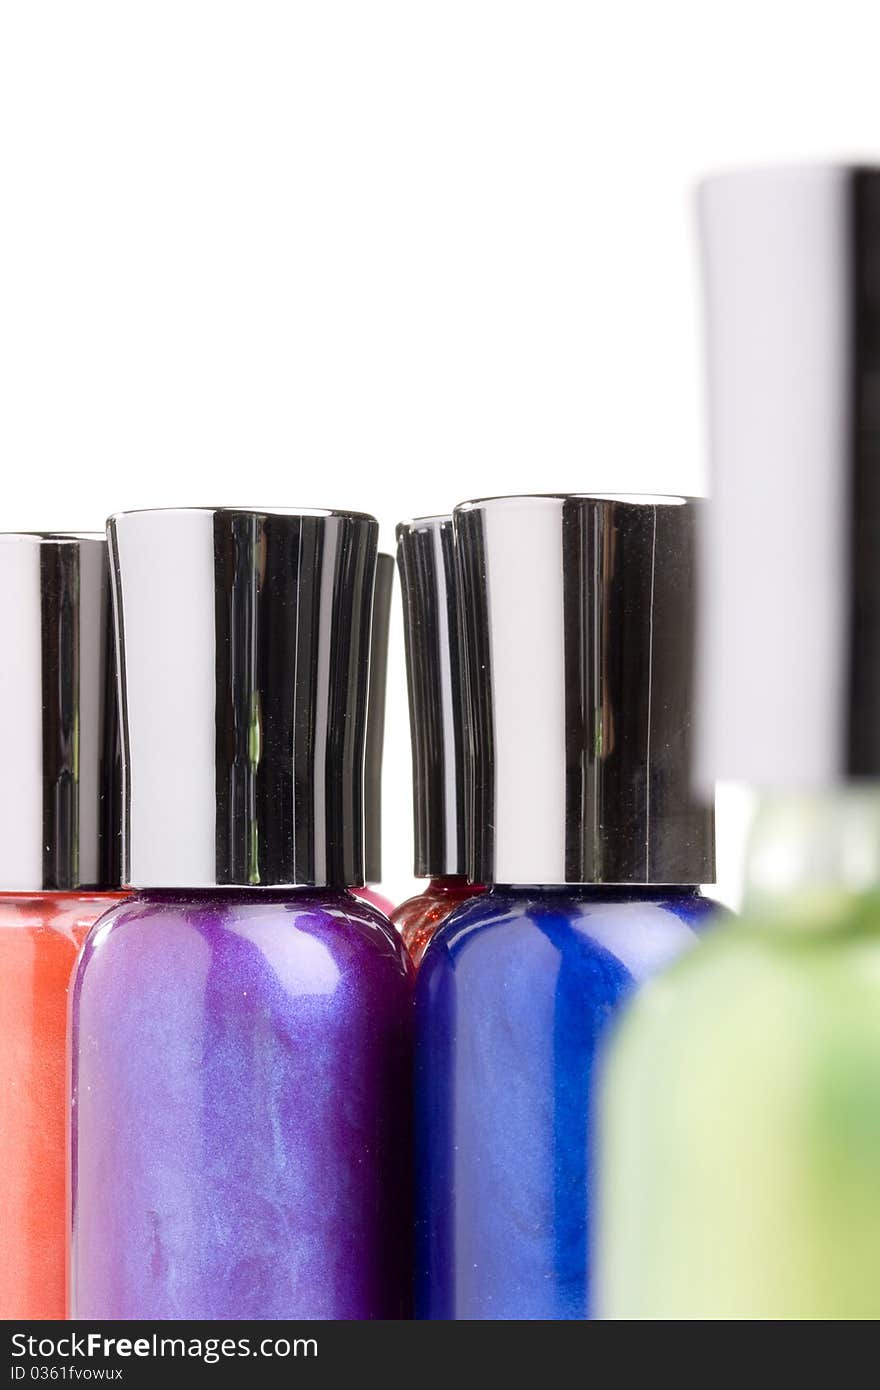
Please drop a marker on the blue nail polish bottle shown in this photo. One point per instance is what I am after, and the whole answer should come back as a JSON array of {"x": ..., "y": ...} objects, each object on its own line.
[{"x": 579, "y": 634}]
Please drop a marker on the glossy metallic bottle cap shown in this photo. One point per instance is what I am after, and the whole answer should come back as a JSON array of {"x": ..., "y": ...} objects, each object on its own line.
[
  {"x": 376, "y": 719},
  {"x": 59, "y": 809},
  {"x": 244, "y": 639},
  {"x": 435, "y": 675},
  {"x": 790, "y": 671},
  {"x": 579, "y": 616}
]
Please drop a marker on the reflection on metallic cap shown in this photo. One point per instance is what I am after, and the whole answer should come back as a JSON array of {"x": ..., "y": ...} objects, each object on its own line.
[
  {"x": 579, "y": 616},
  {"x": 244, "y": 639},
  {"x": 376, "y": 719},
  {"x": 59, "y": 812},
  {"x": 435, "y": 676}
]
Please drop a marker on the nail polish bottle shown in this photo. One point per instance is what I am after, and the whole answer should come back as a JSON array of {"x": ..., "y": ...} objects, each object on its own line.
[
  {"x": 436, "y": 682},
  {"x": 741, "y": 1174},
  {"x": 376, "y": 737},
  {"x": 241, "y": 1027},
  {"x": 59, "y": 871},
  {"x": 579, "y": 619}
]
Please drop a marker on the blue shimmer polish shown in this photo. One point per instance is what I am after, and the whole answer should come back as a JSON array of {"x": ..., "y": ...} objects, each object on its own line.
[
  {"x": 577, "y": 617},
  {"x": 513, "y": 1000}
]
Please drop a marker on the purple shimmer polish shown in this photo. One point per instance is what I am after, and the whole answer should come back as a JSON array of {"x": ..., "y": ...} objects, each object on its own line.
[
  {"x": 239, "y": 1068},
  {"x": 241, "y": 1028}
]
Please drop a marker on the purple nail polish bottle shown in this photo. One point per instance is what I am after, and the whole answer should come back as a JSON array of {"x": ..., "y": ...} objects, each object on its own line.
[{"x": 241, "y": 1026}]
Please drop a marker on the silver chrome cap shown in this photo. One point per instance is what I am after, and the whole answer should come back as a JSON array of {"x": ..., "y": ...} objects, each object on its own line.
[
  {"x": 244, "y": 639},
  {"x": 790, "y": 664},
  {"x": 376, "y": 718},
  {"x": 436, "y": 681},
  {"x": 59, "y": 809},
  {"x": 579, "y": 617}
]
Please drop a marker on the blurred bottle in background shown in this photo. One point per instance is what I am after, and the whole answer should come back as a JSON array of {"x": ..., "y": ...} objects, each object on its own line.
[
  {"x": 741, "y": 1173},
  {"x": 579, "y": 614},
  {"x": 59, "y": 872},
  {"x": 375, "y": 740},
  {"x": 436, "y": 681}
]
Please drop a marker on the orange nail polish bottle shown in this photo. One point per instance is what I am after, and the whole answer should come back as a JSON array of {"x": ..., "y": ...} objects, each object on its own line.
[{"x": 59, "y": 848}]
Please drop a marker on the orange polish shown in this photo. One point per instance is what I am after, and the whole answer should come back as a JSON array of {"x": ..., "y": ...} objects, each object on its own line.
[{"x": 40, "y": 935}]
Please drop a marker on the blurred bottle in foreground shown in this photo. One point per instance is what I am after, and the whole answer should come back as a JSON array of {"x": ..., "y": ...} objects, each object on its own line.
[{"x": 741, "y": 1162}]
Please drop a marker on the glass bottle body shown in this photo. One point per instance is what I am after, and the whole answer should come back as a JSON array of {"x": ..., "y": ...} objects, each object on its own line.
[
  {"x": 239, "y": 1145},
  {"x": 512, "y": 1003},
  {"x": 371, "y": 895},
  {"x": 40, "y": 935},
  {"x": 420, "y": 917},
  {"x": 741, "y": 1164}
]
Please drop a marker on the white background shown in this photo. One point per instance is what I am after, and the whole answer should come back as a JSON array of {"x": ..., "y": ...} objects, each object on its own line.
[{"x": 379, "y": 255}]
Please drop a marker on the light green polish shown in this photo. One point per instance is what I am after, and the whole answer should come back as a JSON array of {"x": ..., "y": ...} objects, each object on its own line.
[{"x": 741, "y": 1160}]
